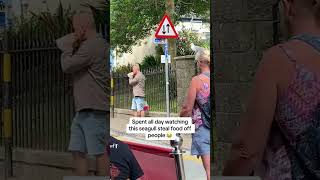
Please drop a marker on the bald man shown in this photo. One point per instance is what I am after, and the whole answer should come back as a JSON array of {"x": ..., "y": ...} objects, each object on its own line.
[
  {"x": 84, "y": 56},
  {"x": 137, "y": 81}
]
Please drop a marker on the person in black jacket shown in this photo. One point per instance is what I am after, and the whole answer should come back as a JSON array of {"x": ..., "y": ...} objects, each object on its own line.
[{"x": 123, "y": 164}]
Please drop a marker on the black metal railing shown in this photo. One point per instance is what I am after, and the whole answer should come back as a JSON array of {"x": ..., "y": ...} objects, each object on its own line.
[
  {"x": 155, "y": 89},
  {"x": 42, "y": 100}
]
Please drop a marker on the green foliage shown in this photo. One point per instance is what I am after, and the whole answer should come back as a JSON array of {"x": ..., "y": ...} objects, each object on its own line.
[
  {"x": 57, "y": 24},
  {"x": 185, "y": 40},
  {"x": 159, "y": 52},
  {"x": 124, "y": 69},
  {"x": 150, "y": 61},
  {"x": 147, "y": 62},
  {"x": 45, "y": 23},
  {"x": 133, "y": 20}
]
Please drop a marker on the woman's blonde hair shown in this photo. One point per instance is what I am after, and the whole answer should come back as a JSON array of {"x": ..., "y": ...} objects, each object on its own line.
[{"x": 203, "y": 56}]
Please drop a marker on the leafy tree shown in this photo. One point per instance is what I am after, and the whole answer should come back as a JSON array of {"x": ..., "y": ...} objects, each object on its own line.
[
  {"x": 150, "y": 61},
  {"x": 133, "y": 20}
]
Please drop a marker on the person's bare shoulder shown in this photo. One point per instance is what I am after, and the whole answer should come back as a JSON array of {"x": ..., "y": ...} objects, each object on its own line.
[
  {"x": 274, "y": 61},
  {"x": 195, "y": 79},
  {"x": 272, "y": 55},
  {"x": 276, "y": 53},
  {"x": 195, "y": 82}
]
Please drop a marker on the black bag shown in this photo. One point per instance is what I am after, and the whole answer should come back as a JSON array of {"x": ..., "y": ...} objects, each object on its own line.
[
  {"x": 305, "y": 154},
  {"x": 205, "y": 111},
  {"x": 205, "y": 114}
]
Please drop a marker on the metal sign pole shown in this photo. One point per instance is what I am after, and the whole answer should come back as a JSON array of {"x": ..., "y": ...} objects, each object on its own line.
[
  {"x": 166, "y": 30},
  {"x": 167, "y": 78},
  {"x": 112, "y": 93}
]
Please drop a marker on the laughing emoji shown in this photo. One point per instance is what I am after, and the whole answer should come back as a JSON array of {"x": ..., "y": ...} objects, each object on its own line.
[{"x": 169, "y": 134}]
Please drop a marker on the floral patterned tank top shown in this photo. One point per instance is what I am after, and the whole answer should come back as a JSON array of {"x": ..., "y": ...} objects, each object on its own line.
[
  {"x": 293, "y": 149},
  {"x": 202, "y": 97}
]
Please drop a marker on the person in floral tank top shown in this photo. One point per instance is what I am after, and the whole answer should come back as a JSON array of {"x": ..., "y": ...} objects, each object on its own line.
[{"x": 196, "y": 105}]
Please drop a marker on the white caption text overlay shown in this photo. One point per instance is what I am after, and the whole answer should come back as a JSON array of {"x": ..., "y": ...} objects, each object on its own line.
[{"x": 160, "y": 128}]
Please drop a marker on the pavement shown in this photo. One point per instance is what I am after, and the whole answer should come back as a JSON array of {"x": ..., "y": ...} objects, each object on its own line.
[{"x": 193, "y": 167}]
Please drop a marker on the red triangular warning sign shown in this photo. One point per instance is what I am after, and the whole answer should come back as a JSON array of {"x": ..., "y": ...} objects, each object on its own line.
[{"x": 166, "y": 29}]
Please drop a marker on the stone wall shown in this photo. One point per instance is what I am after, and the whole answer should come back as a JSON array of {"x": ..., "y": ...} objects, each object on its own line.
[
  {"x": 242, "y": 29},
  {"x": 185, "y": 70}
]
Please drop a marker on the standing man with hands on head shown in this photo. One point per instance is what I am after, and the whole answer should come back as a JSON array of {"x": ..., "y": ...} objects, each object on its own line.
[
  {"x": 84, "y": 56},
  {"x": 137, "y": 81}
]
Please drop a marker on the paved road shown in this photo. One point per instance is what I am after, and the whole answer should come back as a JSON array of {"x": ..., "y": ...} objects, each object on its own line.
[{"x": 193, "y": 166}]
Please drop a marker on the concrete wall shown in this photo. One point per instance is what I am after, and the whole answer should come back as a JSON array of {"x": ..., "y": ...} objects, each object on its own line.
[
  {"x": 185, "y": 70},
  {"x": 242, "y": 30}
]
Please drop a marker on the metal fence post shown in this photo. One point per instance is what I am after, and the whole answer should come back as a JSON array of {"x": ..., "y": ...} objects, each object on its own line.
[
  {"x": 7, "y": 114},
  {"x": 7, "y": 106},
  {"x": 112, "y": 95}
]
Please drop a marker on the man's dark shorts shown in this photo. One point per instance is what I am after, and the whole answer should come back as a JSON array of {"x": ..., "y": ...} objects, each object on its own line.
[{"x": 89, "y": 131}]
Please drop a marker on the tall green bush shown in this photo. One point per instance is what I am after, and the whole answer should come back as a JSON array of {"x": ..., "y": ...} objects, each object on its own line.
[
  {"x": 124, "y": 69},
  {"x": 150, "y": 61},
  {"x": 159, "y": 51}
]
